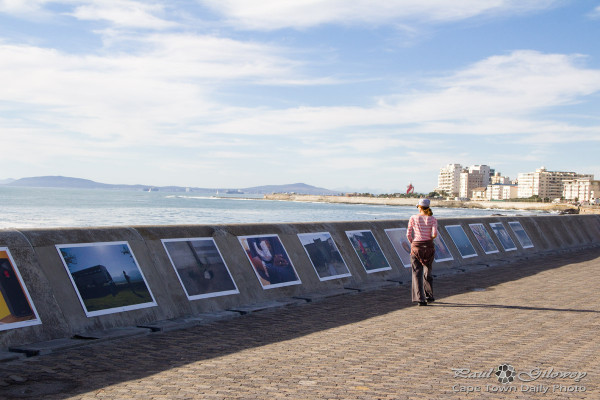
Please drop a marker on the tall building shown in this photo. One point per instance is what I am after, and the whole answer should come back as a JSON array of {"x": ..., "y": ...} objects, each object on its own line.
[
  {"x": 449, "y": 179},
  {"x": 544, "y": 183},
  {"x": 475, "y": 176},
  {"x": 581, "y": 189}
]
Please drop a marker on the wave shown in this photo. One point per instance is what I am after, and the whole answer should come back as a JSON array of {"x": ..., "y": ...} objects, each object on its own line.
[{"x": 179, "y": 196}]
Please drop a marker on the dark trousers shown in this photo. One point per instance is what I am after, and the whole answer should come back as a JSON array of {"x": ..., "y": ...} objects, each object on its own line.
[{"x": 422, "y": 279}]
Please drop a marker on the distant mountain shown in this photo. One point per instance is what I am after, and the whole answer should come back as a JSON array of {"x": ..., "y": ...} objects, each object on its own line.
[
  {"x": 78, "y": 183},
  {"x": 5, "y": 181},
  {"x": 58, "y": 181}
]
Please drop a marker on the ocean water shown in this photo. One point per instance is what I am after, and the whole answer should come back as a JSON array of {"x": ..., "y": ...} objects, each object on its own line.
[{"x": 50, "y": 208}]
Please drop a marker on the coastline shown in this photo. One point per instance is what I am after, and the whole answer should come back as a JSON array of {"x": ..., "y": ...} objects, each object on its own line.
[{"x": 388, "y": 201}]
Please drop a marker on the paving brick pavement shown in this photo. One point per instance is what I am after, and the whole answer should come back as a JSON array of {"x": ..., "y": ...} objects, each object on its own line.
[{"x": 541, "y": 313}]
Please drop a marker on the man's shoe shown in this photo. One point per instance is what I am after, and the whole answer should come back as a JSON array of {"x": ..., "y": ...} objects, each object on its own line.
[
  {"x": 422, "y": 303},
  {"x": 430, "y": 299}
]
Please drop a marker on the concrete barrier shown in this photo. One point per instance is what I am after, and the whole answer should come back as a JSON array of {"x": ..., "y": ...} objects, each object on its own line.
[{"x": 62, "y": 320}]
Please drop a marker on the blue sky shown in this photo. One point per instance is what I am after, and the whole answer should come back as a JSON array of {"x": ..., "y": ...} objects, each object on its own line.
[
  {"x": 107, "y": 254},
  {"x": 363, "y": 95}
]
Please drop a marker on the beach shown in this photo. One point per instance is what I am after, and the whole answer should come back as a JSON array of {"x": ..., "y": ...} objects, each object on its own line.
[{"x": 394, "y": 201}]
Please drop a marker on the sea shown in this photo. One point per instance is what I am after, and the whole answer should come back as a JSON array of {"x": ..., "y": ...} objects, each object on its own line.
[{"x": 24, "y": 207}]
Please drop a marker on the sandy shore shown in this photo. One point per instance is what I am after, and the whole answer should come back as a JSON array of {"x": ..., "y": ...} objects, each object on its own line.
[{"x": 434, "y": 203}]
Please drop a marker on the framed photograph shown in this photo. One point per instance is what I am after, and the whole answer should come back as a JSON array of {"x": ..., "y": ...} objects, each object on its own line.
[
  {"x": 270, "y": 261},
  {"x": 461, "y": 241},
  {"x": 503, "y": 236},
  {"x": 401, "y": 244},
  {"x": 368, "y": 251},
  {"x": 200, "y": 267},
  {"x": 106, "y": 277},
  {"x": 16, "y": 308},
  {"x": 324, "y": 255},
  {"x": 442, "y": 253},
  {"x": 483, "y": 237},
  {"x": 521, "y": 235}
]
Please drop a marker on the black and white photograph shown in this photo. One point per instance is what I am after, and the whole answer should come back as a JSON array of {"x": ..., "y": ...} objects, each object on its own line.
[{"x": 200, "y": 267}]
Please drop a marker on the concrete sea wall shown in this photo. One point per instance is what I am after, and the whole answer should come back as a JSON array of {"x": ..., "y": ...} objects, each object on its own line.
[{"x": 67, "y": 307}]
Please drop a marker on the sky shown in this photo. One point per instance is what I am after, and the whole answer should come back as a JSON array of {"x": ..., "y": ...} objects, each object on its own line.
[
  {"x": 108, "y": 254},
  {"x": 362, "y": 95}
]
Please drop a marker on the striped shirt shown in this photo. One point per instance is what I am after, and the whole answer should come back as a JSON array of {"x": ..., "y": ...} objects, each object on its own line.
[{"x": 421, "y": 227}]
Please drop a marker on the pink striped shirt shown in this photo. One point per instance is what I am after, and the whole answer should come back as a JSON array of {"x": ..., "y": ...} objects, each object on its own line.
[{"x": 421, "y": 227}]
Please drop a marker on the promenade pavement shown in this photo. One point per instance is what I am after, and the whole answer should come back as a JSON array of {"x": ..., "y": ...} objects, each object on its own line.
[{"x": 540, "y": 316}]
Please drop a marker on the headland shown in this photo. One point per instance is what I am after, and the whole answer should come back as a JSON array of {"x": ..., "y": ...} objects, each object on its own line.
[{"x": 403, "y": 201}]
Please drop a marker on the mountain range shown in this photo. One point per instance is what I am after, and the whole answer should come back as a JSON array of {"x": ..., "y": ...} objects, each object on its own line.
[{"x": 78, "y": 183}]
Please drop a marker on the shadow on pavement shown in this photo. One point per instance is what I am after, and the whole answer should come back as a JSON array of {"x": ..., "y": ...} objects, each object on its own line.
[
  {"x": 91, "y": 368},
  {"x": 463, "y": 305}
]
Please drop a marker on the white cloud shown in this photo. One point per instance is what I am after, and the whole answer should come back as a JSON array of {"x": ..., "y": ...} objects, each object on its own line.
[
  {"x": 167, "y": 86},
  {"x": 125, "y": 13},
  {"x": 520, "y": 83},
  {"x": 165, "y": 93},
  {"x": 595, "y": 13},
  {"x": 500, "y": 94},
  {"x": 117, "y": 13},
  {"x": 276, "y": 14},
  {"x": 21, "y": 7}
]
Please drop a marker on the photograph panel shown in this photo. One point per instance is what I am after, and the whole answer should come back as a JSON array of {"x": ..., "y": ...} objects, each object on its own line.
[
  {"x": 368, "y": 251},
  {"x": 521, "y": 235},
  {"x": 324, "y": 255},
  {"x": 483, "y": 237},
  {"x": 106, "y": 277},
  {"x": 503, "y": 236},
  {"x": 442, "y": 253},
  {"x": 461, "y": 241},
  {"x": 200, "y": 267},
  {"x": 16, "y": 308},
  {"x": 401, "y": 244},
  {"x": 270, "y": 261}
]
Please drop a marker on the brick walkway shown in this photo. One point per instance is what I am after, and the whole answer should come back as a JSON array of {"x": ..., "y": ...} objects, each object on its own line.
[{"x": 543, "y": 313}]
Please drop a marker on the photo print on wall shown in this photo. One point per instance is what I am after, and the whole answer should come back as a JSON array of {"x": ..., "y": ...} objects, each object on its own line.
[
  {"x": 16, "y": 308},
  {"x": 442, "y": 253},
  {"x": 401, "y": 244},
  {"x": 324, "y": 255},
  {"x": 106, "y": 277},
  {"x": 200, "y": 267},
  {"x": 483, "y": 237},
  {"x": 368, "y": 251},
  {"x": 270, "y": 261},
  {"x": 503, "y": 236},
  {"x": 461, "y": 241},
  {"x": 521, "y": 235}
]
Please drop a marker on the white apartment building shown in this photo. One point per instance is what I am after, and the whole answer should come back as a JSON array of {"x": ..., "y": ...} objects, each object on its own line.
[
  {"x": 499, "y": 191},
  {"x": 544, "y": 183},
  {"x": 475, "y": 176},
  {"x": 498, "y": 179},
  {"x": 582, "y": 189},
  {"x": 449, "y": 179},
  {"x": 478, "y": 193}
]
